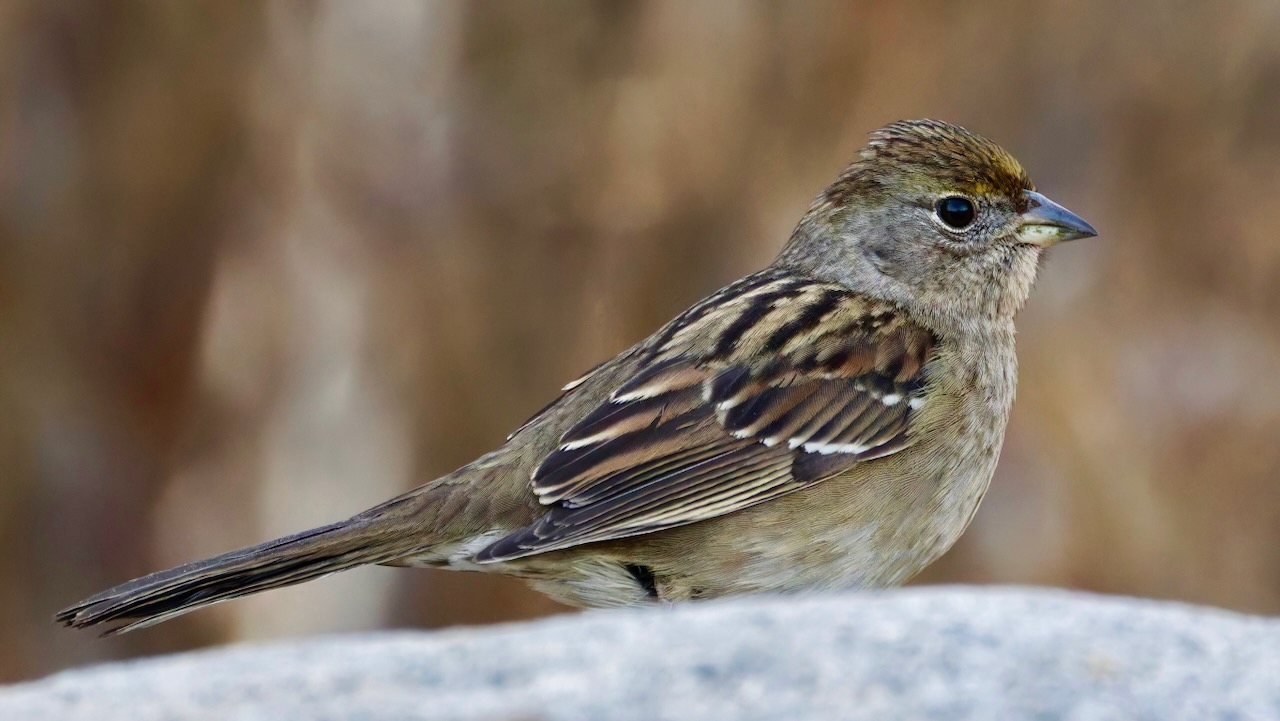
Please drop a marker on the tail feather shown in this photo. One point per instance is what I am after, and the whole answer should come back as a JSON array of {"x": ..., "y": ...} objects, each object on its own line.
[{"x": 282, "y": 562}]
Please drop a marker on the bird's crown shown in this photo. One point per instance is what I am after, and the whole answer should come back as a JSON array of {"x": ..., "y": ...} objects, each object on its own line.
[{"x": 929, "y": 153}]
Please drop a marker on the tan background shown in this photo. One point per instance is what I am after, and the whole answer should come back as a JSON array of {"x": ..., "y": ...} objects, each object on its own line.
[{"x": 265, "y": 264}]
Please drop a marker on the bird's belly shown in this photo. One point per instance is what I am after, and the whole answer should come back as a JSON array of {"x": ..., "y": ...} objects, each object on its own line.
[
  {"x": 845, "y": 533},
  {"x": 861, "y": 531},
  {"x": 859, "y": 550}
]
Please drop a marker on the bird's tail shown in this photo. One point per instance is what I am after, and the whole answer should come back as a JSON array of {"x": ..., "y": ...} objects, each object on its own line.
[{"x": 364, "y": 539}]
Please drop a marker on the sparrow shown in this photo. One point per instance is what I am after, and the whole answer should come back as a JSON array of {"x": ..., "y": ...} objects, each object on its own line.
[{"x": 829, "y": 422}]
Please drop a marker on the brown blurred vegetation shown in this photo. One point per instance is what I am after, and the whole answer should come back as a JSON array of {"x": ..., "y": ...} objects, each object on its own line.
[{"x": 265, "y": 264}]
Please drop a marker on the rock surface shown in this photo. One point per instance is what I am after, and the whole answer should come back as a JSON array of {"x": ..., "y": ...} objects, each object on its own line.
[{"x": 924, "y": 653}]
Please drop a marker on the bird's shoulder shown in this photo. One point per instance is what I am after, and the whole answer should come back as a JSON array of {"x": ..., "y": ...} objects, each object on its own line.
[
  {"x": 772, "y": 320},
  {"x": 776, "y": 314}
]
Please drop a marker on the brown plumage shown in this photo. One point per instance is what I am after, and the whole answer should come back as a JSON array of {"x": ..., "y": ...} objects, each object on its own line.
[
  {"x": 831, "y": 421},
  {"x": 794, "y": 370}
]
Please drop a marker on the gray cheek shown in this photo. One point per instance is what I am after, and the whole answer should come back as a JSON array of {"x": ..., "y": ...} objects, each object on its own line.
[
  {"x": 878, "y": 256},
  {"x": 899, "y": 253}
]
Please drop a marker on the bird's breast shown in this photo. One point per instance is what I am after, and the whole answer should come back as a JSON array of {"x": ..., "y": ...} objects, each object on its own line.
[{"x": 881, "y": 522}]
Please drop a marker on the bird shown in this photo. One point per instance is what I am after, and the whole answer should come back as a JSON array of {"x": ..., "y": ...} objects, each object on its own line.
[{"x": 829, "y": 422}]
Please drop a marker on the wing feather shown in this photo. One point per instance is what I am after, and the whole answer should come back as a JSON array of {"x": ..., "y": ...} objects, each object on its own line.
[{"x": 771, "y": 385}]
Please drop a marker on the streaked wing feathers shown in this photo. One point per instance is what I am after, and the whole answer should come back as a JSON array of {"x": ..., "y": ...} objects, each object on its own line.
[{"x": 770, "y": 385}]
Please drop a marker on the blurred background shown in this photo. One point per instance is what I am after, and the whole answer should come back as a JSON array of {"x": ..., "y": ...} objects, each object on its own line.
[{"x": 265, "y": 264}]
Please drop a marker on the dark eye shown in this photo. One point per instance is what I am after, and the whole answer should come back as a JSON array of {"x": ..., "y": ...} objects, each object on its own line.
[{"x": 956, "y": 211}]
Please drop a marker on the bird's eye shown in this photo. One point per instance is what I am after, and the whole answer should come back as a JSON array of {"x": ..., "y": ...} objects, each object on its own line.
[{"x": 956, "y": 212}]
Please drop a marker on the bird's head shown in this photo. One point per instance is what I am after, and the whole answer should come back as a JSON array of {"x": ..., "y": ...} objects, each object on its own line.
[{"x": 936, "y": 218}]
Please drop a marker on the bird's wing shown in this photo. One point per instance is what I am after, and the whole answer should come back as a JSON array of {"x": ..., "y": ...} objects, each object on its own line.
[{"x": 773, "y": 384}]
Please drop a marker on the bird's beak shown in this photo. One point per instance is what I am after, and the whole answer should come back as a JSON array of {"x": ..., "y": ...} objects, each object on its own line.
[{"x": 1046, "y": 223}]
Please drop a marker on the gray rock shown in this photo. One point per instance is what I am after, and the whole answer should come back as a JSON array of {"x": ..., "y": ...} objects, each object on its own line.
[{"x": 924, "y": 653}]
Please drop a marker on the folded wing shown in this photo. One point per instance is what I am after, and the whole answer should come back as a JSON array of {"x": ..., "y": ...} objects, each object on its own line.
[{"x": 769, "y": 386}]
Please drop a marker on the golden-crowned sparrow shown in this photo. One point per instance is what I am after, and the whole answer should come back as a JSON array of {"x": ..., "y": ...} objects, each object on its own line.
[{"x": 831, "y": 421}]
